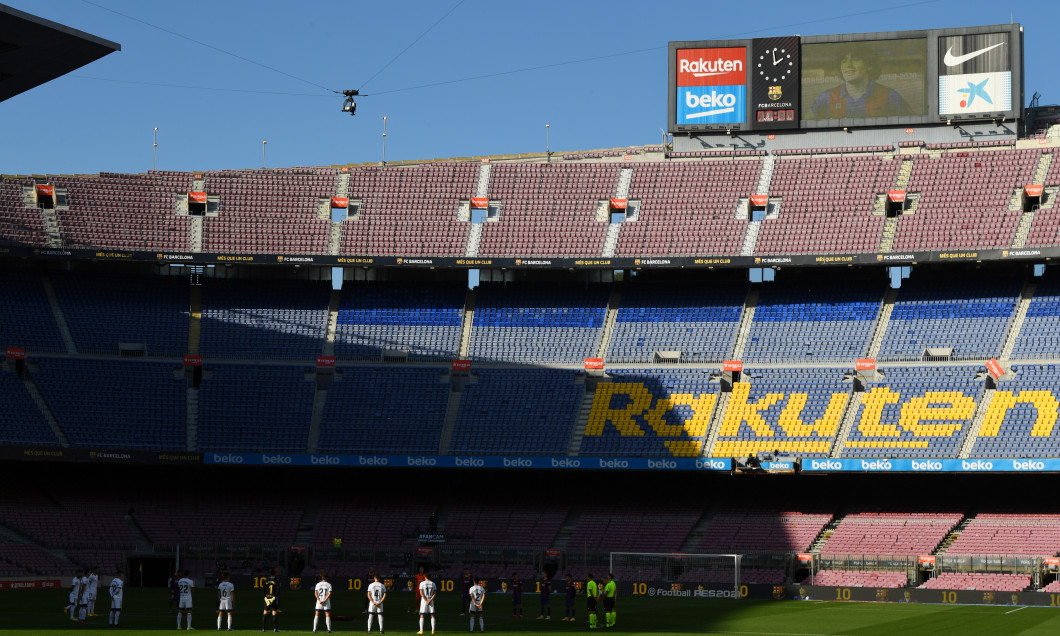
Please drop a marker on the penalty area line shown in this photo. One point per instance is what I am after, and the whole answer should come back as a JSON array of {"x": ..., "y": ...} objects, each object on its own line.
[{"x": 1017, "y": 609}]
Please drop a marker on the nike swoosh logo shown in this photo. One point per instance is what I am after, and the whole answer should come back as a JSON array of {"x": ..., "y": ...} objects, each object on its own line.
[{"x": 954, "y": 60}]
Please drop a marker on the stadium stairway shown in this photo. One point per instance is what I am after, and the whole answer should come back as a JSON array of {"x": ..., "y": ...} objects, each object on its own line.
[
  {"x": 883, "y": 319},
  {"x": 465, "y": 326},
  {"x": 981, "y": 410},
  {"x": 452, "y": 411},
  {"x": 695, "y": 535},
  {"x": 747, "y": 317},
  {"x": 60, "y": 319},
  {"x": 195, "y": 234},
  {"x": 825, "y": 534},
  {"x": 954, "y": 534},
  {"x": 333, "y": 323},
  {"x": 192, "y": 418},
  {"x": 716, "y": 419},
  {"x": 613, "y": 305},
  {"x": 1023, "y": 230},
  {"x": 846, "y": 424},
  {"x": 570, "y": 523},
  {"x": 51, "y": 227},
  {"x": 584, "y": 410},
  {"x": 890, "y": 226},
  {"x": 143, "y": 543},
  {"x": 195, "y": 320},
  {"x": 1018, "y": 317},
  {"x": 38, "y": 399}
]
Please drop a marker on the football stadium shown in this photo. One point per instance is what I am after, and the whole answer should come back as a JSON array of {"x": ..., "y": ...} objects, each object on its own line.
[{"x": 795, "y": 370}]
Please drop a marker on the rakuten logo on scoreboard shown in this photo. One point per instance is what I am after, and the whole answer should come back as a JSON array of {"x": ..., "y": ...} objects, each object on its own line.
[
  {"x": 711, "y": 67},
  {"x": 711, "y": 86}
]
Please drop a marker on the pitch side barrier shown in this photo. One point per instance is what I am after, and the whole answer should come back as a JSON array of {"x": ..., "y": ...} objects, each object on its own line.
[
  {"x": 930, "y": 465},
  {"x": 539, "y": 262},
  {"x": 917, "y": 595},
  {"x": 713, "y": 464}
]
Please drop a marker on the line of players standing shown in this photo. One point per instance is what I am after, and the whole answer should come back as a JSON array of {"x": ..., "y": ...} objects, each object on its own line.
[
  {"x": 593, "y": 592},
  {"x": 82, "y": 599}
]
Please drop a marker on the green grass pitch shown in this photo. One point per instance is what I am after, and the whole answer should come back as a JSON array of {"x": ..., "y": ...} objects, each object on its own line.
[{"x": 40, "y": 612}]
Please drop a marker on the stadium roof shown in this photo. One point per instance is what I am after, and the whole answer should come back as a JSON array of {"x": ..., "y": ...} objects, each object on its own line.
[{"x": 34, "y": 51}]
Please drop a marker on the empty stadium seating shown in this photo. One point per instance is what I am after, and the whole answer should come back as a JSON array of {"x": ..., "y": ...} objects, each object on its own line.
[
  {"x": 1038, "y": 336},
  {"x": 819, "y": 321},
  {"x": 105, "y": 311},
  {"x": 21, "y": 421},
  {"x": 29, "y": 323},
  {"x": 1009, "y": 534},
  {"x": 700, "y": 322},
  {"x": 534, "y": 410},
  {"x": 409, "y": 210},
  {"x": 548, "y": 209},
  {"x": 423, "y": 319},
  {"x": 116, "y": 404},
  {"x": 890, "y": 533},
  {"x": 652, "y": 528},
  {"x": 124, "y": 211},
  {"x": 965, "y": 199},
  {"x": 1022, "y": 415},
  {"x": 688, "y": 207},
  {"x": 19, "y": 224},
  {"x": 650, "y": 413},
  {"x": 269, "y": 211},
  {"x": 827, "y": 204},
  {"x": 384, "y": 410},
  {"x": 967, "y": 319},
  {"x": 754, "y": 529},
  {"x": 524, "y": 323},
  {"x": 915, "y": 412},
  {"x": 991, "y": 582},
  {"x": 254, "y": 407},
  {"x": 795, "y": 411},
  {"x": 858, "y": 578},
  {"x": 268, "y": 319}
]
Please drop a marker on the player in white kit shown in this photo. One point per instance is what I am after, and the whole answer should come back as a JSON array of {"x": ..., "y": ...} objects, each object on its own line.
[
  {"x": 185, "y": 587},
  {"x": 322, "y": 592},
  {"x": 376, "y": 595},
  {"x": 428, "y": 590},
  {"x": 117, "y": 588},
  {"x": 75, "y": 595},
  {"x": 478, "y": 597},
  {"x": 82, "y": 602},
  {"x": 226, "y": 600},
  {"x": 93, "y": 587}
]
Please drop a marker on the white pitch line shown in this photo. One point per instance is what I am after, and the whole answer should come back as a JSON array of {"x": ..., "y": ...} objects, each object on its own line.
[{"x": 1017, "y": 609}]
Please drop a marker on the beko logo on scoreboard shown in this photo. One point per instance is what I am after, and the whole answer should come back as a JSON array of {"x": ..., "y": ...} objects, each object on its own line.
[
  {"x": 711, "y": 105},
  {"x": 711, "y": 67}
]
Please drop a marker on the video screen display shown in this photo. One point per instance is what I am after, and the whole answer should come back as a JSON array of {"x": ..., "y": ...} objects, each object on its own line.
[
  {"x": 974, "y": 74},
  {"x": 864, "y": 79}
]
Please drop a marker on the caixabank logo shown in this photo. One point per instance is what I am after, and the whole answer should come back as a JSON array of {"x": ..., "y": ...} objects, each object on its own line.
[{"x": 711, "y": 86}]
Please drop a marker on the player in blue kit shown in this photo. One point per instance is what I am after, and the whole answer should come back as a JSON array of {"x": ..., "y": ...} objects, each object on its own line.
[
  {"x": 517, "y": 596},
  {"x": 546, "y": 598},
  {"x": 572, "y": 592}
]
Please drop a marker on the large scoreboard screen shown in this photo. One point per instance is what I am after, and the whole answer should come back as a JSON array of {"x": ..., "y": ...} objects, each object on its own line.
[{"x": 832, "y": 81}]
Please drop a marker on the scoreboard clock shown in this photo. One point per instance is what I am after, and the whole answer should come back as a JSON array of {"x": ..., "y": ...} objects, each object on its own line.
[
  {"x": 775, "y": 83},
  {"x": 776, "y": 64}
]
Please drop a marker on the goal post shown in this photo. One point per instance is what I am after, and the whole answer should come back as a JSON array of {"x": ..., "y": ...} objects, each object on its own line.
[{"x": 679, "y": 571}]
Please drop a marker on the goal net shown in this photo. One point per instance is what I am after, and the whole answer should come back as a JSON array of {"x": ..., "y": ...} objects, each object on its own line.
[{"x": 679, "y": 571}]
